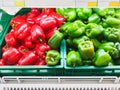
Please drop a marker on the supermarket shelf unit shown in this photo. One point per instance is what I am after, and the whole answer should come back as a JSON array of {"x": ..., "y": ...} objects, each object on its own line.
[{"x": 60, "y": 82}]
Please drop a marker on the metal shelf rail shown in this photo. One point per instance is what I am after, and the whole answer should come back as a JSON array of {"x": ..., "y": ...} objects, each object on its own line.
[{"x": 59, "y": 83}]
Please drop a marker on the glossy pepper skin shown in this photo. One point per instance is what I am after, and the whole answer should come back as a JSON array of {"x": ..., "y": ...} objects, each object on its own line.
[
  {"x": 49, "y": 33},
  {"x": 102, "y": 58},
  {"x": 73, "y": 58},
  {"x": 59, "y": 18},
  {"x": 52, "y": 57},
  {"x": 86, "y": 49},
  {"x": 93, "y": 30},
  {"x": 117, "y": 13},
  {"x": 22, "y": 31},
  {"x": 112, "y": 22},
  {"x": 16, "y": 21},
  {"x": 94, "y": 18},
  {"x": 112, "y": 34},
  {"x": 64, "y": 28},
  {"x": 37, "y": 34},
  {"x": 101, "y": 11},
  {"x": 60, "y": 11},
  {"x": 22, "y": 49},
  {"x": 11, "y": 56},
  {"x": 41, "y": 50},
  {"x": 28, "y": 42},
  {"x": 84, "y": 13},
  {"x": 96, "y": 43},
  {"x": 76, "y": 41},
  {"x": 76, "y": 29},
  {"x": 10, "y": 39},
  {"x": 55, "y": 41},
  {"x": 47, "y": 23},
  {"x": 2, "y": 62},
  {"x": 110, "y": 48},
  {"x": 5, "y": 47},
  {"x": 48, "y": 11},
  {"x": 29, "y": 58},
  {"x": 70, "y": 14}
]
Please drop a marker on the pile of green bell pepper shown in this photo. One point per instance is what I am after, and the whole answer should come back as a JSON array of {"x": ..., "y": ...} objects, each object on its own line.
[{"x": 92, "y": 35}]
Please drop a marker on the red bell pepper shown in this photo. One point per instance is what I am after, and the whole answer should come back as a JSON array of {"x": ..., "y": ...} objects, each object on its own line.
[
  {"x": 47, "y": 23},
  {"x": 28, "y": 42},
  {"x": 39, "y": 17},
  {"x": 24, "y": 16},
  {"x": 11, "y": 56},
  {"x": 10, "y": 39},
  {"x": 41, "y": 50},
  {"x": 37, "y": 34},
  {"x": 5, "y": 47},
  {"x": 49, "y": 33},
  {"x": 22, "y": 49},
  {"x": 22, "y": 31},
  {"x": 2, "y": 62},
  {"x": 29, "y": 58},
  {"x": 17, "y": 20},
  {"x": 40, "y": 62},
  {"x": 31, "y": 18},
  {"x": 36, "y": 11},
  {"x": 47, "y": 10},
  {"x": 59, "y": 18}
]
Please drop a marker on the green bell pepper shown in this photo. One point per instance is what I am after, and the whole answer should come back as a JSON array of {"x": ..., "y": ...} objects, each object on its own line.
[
  {"x": 93, "y": 30},
  {"x": 76, "y": 29},
  {"x": 52, "y": 57},
  {"x": 69, "y": 42},
  {"x": 111, "y": 12},
  {"x": 86, "y": 49},
  {"x": 55, "y": 40},
  {"x": 102, "y": 58},
  {"x": 101, "y": 11},
  {"x": 70, "y": 14},
  {"x": 64, "y": 28},
  {"x": 83, "y": 13},
  {"x": 94, "y": 18},
  {"x": 112, "y": 34},
  {"x": 96, "y": 43},
  {"x": 110, "y": 48},
  {"x": 73, "y": 58},
  {"x": 76, "y": 41},
  {"x": 113, "y": 22},
  {"x": 117, "y": 13},
  {"x": 60, "y": 11}
]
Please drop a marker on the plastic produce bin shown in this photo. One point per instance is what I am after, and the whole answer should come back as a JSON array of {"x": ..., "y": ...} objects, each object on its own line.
[
  {"x": 89, "y": 70},
  {"x": 32, "y": 70},
  {"x": 4, "y": 25}
]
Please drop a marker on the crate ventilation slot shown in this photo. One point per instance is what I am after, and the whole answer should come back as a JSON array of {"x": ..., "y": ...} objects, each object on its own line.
[{"x": 83, "y": 88}]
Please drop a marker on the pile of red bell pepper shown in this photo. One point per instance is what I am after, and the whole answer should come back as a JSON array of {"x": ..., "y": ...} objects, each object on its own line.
[{"x": 26, "y": 43}]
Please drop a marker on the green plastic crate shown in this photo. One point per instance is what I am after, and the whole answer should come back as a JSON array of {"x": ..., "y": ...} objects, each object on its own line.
[
  {"x": 32, "y": 70},
  {"x": 90, "y": 70},
  {"x": 4, "y": 22}
]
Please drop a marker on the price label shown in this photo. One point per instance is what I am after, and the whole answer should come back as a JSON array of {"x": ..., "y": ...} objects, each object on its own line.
[
  {"x": 92, "y": 4},
  {"x": 114, "y": 4},
  {"x": 19, "y": 3}
]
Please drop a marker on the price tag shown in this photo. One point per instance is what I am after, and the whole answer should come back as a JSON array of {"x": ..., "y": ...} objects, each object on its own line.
[
  {"x": 20, "y": 3},
  {"x": 114, "y": 4},
  {"x": 92, "y": 4}
]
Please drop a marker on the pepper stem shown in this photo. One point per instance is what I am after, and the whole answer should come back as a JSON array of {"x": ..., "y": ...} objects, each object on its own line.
[
  {"x": 40, "y": 39},
  {"x": 52, "y": 59}
]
